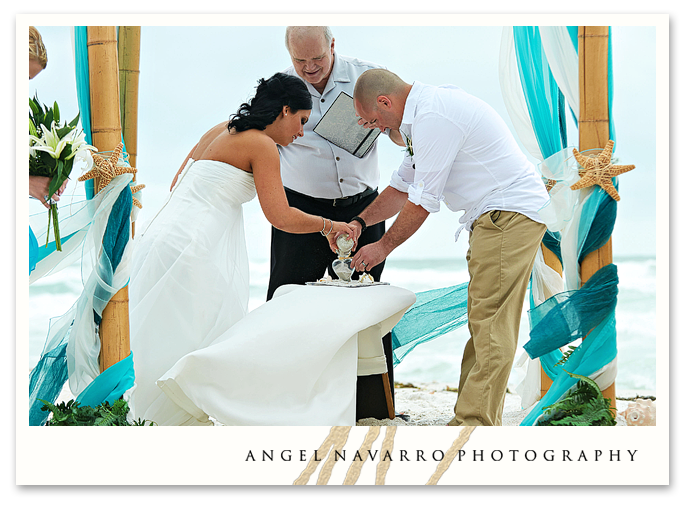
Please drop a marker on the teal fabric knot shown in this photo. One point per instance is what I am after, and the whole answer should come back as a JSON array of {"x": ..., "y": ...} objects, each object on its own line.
[{"x": 571, "y": 315}]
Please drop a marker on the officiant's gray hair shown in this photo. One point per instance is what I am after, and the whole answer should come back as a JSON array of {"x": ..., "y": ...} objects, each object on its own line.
[{"x": 325, "y": 30}]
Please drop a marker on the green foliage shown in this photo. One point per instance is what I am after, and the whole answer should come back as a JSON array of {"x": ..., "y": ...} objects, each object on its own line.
[
  {"x": 566, "y": 355},
  {"x": 41, "y": 115},
  {"x": 71, "y": 413},
  {"x": 583, "y": 405}
]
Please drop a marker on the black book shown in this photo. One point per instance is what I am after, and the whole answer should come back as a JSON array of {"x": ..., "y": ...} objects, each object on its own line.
[{"x": 339, "y": 125}]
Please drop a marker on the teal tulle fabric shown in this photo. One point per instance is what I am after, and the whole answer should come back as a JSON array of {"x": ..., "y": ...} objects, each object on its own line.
[
  {"x": 46, "y": 381},
  {"x": 551, "y": 240},
  {"x": 114, "y": 240},
  {"x": 435, "y": 313},
  {"x": 542, "y": 95},
  {"x": 571, "y": 315},
  {"x": 81, "y": 63},
  {"x": 110, "y": 385},
  {"x": 602, "y": 210},
  {"x": 33, "y": 251}
]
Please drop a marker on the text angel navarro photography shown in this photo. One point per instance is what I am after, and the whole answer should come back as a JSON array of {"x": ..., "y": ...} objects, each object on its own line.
[{"x": 550, "y": 455}]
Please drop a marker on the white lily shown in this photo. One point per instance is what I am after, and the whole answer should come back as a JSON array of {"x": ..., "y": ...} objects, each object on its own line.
[
  {"x": 80, "y": 148},
  {"x": 49, "y": 142},
  {"x": 84, "y": 155},
  {"x": 54, "y": 145}
]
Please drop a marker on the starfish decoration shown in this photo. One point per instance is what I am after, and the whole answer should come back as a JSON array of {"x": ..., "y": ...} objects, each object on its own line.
[
  {"x": 549, "y": 184},
  {"x": 599, "y": 171},
  {"x": 106, "y": 169}
]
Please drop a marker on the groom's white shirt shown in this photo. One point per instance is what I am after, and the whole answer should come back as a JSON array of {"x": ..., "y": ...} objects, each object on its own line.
[
  {"x": 314, "y": 166},
  {"x": 465, "y": 155}
]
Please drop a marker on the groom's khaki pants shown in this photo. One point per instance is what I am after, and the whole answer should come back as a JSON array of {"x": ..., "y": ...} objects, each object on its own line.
[{"x": 502, "y": 248}]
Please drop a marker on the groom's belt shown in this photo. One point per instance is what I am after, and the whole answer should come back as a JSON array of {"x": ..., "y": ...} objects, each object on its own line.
[{"x": 339, "y": 202}]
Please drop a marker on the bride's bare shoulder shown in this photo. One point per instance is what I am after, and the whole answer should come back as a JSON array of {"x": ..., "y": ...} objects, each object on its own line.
[
  {"x": 239, "y": 149},
  {"x": 250, "y": 142}
]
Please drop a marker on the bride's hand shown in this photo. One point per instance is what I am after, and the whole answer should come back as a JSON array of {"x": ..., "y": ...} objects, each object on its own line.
[{"x": 338, "y": 229}]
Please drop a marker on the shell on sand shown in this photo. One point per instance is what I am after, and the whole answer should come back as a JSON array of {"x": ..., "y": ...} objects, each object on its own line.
[{"x": 640, "y": 413}]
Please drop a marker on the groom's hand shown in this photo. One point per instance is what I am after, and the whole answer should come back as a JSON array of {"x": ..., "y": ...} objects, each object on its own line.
[
  {"x": 366, "y": 124},
  {"x": 369, "y": 256}
]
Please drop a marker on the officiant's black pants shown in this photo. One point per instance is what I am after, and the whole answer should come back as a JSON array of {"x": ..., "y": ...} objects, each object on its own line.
[{"x": 301, "y": 258}]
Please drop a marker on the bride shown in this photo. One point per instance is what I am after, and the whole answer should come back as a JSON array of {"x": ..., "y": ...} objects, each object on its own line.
[{"x": 190, "y": 274}]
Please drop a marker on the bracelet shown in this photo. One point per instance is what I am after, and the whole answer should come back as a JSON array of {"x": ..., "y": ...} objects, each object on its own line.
[
  {"x": 324, "y": 225},
  {"x": 331, "y": 227},
  {"x": 360, "y": 220}
]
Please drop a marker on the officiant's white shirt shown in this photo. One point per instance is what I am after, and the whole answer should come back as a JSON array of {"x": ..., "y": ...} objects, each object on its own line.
[
  {"x": 314, "y": 166},
  {"x": 464, "y": 155}
]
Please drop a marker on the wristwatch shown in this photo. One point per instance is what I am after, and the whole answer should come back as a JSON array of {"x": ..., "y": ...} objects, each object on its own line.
[{"x": 360, "y": 220}]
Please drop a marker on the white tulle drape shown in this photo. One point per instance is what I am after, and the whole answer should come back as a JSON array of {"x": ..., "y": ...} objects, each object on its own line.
[
  {"x": 99, "y": 281},
  {"x": 564, "y": 62}
]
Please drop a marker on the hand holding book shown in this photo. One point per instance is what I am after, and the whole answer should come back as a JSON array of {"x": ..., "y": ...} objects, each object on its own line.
[{"x": 341, "y": 127}]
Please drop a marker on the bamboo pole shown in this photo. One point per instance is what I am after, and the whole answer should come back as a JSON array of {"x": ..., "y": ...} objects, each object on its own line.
[
  {"x": 128, "y": 63},
  {"x": 594, "y": 127},
  {"x": 106, "y": 134}
]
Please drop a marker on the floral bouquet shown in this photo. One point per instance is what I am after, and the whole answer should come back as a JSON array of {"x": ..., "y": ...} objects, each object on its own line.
[{"x": 52, "y": 151}]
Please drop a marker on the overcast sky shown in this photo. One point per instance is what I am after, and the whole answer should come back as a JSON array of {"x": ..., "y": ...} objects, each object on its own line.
[{"x": 193, "y": 77}]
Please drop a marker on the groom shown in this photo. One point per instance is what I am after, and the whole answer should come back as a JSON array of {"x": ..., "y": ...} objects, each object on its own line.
[{"x": 460, "y": 151}]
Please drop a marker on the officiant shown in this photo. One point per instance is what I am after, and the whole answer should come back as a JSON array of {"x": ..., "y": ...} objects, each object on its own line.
[
  {"x": 460, "y": 151},
  {"x": 323, "y": 179}
]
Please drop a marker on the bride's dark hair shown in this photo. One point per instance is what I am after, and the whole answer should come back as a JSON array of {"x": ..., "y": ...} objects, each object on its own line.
[{"x": 271, "y": 96}]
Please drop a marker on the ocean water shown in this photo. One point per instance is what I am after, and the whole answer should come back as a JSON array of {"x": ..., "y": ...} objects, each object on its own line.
[{"x": 440, "y": 359}]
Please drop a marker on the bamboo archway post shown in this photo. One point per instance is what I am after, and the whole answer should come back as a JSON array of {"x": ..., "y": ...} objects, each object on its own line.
[
  {"x": 594, "y": 128},
  {"x": 106, "y": 135},
  {"x": 128, "y": 64}
]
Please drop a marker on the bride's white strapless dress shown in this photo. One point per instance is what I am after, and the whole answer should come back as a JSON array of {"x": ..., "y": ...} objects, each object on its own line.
[
  {"x": 198, "y": 354},
  {"x": 190, "y": 278}
]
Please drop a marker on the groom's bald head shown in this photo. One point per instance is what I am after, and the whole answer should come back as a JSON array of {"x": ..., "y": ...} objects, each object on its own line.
[{"x": 377, "y": 82}]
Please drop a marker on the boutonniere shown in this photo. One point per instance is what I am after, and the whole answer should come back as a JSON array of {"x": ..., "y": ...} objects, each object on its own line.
[{"x": 409, "y": 146}]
